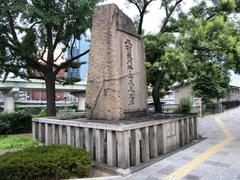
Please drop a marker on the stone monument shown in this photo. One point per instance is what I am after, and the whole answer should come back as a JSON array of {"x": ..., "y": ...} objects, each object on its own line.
[
  {"x": 116, "y": 90},
  {"x": 116, "y": 87}
]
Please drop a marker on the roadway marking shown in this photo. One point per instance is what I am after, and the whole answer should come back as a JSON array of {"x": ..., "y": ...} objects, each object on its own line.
[{"x": 187, "y": 168}]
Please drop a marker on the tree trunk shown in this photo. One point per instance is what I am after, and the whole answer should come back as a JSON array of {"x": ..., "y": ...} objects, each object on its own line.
[
  {"x": 140, "y": 24},
  {"x": 50, "y": 92},
  {"x": 156, "y": 94}
]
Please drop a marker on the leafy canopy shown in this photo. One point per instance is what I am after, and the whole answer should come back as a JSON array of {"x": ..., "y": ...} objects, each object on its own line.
[{"x": 30, "y": 28}]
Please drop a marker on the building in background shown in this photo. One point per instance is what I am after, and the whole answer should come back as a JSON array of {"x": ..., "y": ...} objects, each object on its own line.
[
  {"x": 80, "y": 46},
  {"x": 230, "y": 100},
  {"x": 41, "y": 95}
]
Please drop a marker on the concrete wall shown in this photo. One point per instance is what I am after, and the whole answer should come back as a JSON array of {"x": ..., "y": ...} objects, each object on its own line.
[
  {"x": 233, "y": 94},
  {"x": 182, "y": 91}
]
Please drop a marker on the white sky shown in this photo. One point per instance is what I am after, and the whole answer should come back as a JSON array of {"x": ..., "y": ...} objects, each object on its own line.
[{"x": 152, "y": 20}]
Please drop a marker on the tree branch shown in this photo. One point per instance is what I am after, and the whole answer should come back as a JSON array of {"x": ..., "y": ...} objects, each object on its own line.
[
  {"x": 68, "y": 62},
  {"x": 12, "y": 28},
  {"x": 169, "y": 15},
  {"x": 34, "y": 64},
  {"x": 44, "y": 51},
  {"x": 136, "y": 4},
  {"x": 57, "y": 39},
  {"x": 38, "y": 22},
  {"x": 58, "y": 56},
  {"x": 72, "y": 46},
  {"x": 47, "y": 62}
]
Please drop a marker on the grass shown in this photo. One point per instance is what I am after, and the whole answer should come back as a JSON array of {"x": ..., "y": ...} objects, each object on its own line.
[{"x": 12, "y": 142}]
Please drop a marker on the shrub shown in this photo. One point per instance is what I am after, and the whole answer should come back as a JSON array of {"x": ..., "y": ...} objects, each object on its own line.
[
  {"x": 67, "y": 114},
  {"x": 4, "y": 126},
  {"x": 184, "y": 106},
  {"x": 45, "y": 162},
  {"x": 211, "y": 107},
  {"x": 15, "y": 123},
  {"x": 31, "y": 110}
]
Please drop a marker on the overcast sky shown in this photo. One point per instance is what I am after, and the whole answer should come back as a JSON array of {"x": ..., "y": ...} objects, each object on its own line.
[{"x": 152, "y": 20}]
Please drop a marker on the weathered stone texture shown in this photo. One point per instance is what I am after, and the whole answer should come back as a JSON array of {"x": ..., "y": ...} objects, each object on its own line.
[{"x": 114, "y": 89}]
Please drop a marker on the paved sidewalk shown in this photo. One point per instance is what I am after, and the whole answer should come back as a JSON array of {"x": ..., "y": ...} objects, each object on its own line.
[{"x": 215, "y": 158}]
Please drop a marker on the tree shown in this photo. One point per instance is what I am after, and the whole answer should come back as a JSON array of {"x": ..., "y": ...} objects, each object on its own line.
[
  {"x": 31, "y": 30},
  {"x": 156, "y": 75},
  {"x": 165, "y": 65},
  {"x": 210, "y": 46},
  {"x": 179, "y": 58},
  {"x": 210, "y": 83},
  {"x": 141, "y": 6}
]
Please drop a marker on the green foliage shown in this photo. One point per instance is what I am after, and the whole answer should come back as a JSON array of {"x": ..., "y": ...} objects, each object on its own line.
[
  {"x": 45, "y": 162},
  {"x": 16, "y": 142},
  {"x": 184, "y": 106},
  {"x": 15, "y": 123},
  {"x": 68, "y": 80},
  {"x": 33, "y": 110},
  {"x": 199, "y": 45},
  {"x": 161, "y": 61},
  {"x": 30, "y": 32},
  {"x": 212, "y": 84},
  {"x": 210, "y": 107},
  {"x": 67, "y": 114}
]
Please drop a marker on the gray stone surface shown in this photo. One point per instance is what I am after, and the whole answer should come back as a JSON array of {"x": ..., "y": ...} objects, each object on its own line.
[
  {"x": 116, "y": 85},
  {"x": 191, "y": 177}
]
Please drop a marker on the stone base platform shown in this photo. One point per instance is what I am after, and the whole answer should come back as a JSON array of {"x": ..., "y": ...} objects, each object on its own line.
[{"x": 120, "y": 144}]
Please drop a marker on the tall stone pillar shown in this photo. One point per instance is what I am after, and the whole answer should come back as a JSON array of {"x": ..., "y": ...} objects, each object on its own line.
[
  {"x": 81, "y": 100},
  {"x": 9, "y": 103},
  {"x": 116, "y": 87}
]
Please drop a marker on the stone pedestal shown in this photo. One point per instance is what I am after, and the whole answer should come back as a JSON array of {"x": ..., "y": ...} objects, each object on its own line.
[
  {"x": 116, "y": 87},
  {"x": 120, "y": 144}
]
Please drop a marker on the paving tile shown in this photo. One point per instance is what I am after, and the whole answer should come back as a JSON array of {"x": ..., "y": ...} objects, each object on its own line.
[
  {"x": 148, "y": 171},
  {"x": 215, "y": 163},
  {"x": 135, "y": 176},
  {"x": 230, "y": 173},
  {"x": 223, "y": 153},
  {"x": 191, "y": 177},
  {"x": 151, "y": 178},
  {"x": 238, "y": 177},
  {"x": 187, "y": 158},
  {"x": 167, "y": 170}
]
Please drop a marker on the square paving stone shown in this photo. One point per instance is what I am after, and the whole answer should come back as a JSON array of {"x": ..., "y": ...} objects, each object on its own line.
[
  {"x": 151, "y": 178},
  {"x": 167, "y": 170},
  {"x": 238, "y": 177},
  {"x": 223, "y": 152},
  {"x": 191, "y": 177},
  {"x": 187, "y": 158},
  {"x": 215, "y": 163}
]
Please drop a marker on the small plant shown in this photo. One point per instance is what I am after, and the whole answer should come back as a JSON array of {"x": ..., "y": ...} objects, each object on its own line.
[
  {"x": 67, "y": 114},
  {"x": 184, "y": 106},
  {"x": 45, "y": 162},
  {"x": 42, "y": 113}
]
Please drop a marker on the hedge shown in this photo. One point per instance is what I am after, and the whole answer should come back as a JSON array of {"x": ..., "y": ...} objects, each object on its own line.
[
  {"x": 45, "y": 162},
  {"x": 15, "y": 123}
]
